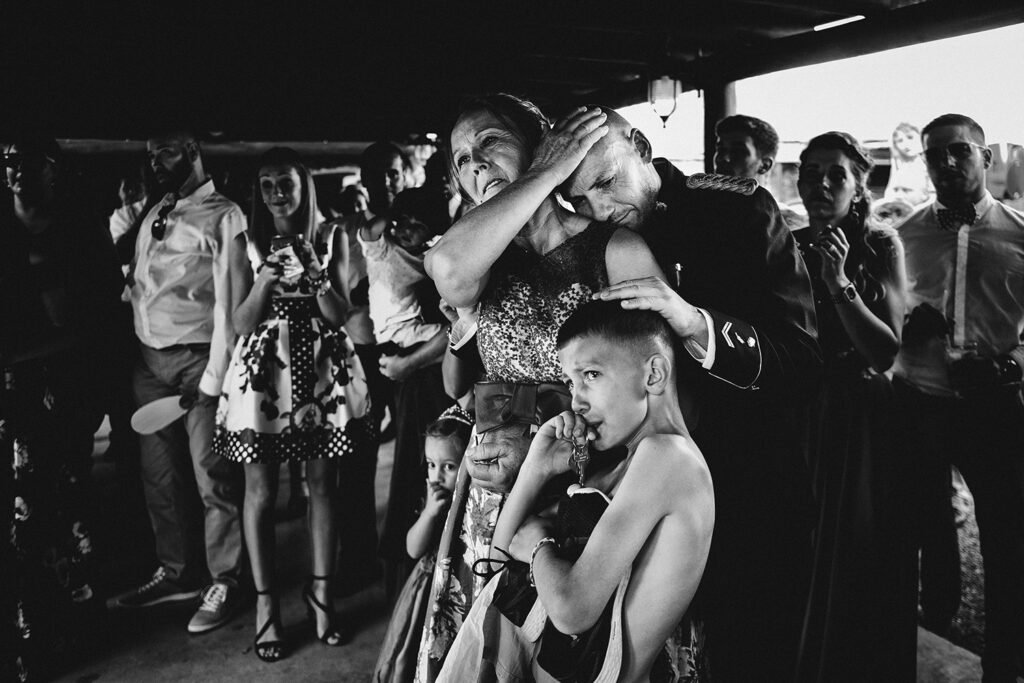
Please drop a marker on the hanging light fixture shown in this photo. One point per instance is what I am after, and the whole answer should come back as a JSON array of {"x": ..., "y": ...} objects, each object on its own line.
[{"x": 663, "y": 94}]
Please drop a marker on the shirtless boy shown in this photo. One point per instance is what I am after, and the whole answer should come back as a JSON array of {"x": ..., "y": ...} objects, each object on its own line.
[{"x": 619, "y": 366}]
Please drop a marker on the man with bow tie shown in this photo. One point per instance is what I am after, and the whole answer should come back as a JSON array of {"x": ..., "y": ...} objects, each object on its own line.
[{"x": 959, "y": 377}]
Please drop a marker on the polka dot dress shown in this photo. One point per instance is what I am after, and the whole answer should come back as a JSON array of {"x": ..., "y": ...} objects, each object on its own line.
[{"x": 293, "y": 389}]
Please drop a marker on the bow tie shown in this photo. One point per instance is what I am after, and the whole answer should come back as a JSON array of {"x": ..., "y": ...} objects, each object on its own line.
[{"x": 952, "y": 219}]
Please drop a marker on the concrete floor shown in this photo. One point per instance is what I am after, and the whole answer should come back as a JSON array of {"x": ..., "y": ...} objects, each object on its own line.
[{"x": 153, "y": 646}]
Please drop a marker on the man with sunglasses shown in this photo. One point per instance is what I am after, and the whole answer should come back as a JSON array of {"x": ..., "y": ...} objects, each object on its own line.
[
  {"x": 189, "y": 275},
  {"x": 959, "y": 378}
]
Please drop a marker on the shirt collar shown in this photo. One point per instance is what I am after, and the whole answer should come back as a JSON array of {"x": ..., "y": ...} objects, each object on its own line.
[
  {"x": 986, "y": 202},
  {"x": 200, "y": 194}
]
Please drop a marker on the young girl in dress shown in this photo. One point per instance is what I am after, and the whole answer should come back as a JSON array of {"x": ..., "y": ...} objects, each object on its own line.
[
  {"x": 447, "y": 438},
  {"x": 288, "y": 394}
]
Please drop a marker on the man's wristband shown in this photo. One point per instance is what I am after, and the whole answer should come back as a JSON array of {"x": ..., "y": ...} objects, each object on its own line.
[{"x": 533, "y": 555}]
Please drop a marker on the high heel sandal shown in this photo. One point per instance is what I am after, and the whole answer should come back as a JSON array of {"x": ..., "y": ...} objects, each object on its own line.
[
  {"x": 268, "y": 650},
  {"x": 333, "y": 635}
]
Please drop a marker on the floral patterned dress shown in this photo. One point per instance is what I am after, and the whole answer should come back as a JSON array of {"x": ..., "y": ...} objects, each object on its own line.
[
  {"x": 293, "y": 386},
  {"x": 531, "y": 296}
]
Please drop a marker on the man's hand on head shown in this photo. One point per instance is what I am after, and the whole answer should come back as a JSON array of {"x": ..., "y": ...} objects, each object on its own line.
[{"x": 654, "y": 294}]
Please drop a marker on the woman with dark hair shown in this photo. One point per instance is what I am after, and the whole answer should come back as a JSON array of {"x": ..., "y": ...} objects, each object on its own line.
[
  {"x": 527, "y": 262},
  {"x": 859, "y": 281},
  {"x": 59, "y": 289},
  {"x": 289, "y": 393}
]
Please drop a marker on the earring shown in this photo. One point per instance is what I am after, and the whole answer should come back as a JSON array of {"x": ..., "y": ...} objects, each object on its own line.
[{"x": 855, "y": 211}]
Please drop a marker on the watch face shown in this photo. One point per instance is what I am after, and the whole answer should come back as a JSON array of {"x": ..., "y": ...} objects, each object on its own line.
[{"x": 850, "y": 292}]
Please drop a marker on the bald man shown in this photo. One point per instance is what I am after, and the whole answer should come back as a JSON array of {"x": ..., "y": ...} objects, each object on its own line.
[{"x": 740, "y": 300}]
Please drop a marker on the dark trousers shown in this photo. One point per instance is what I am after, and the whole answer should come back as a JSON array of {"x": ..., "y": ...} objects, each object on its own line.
[
  {"x": 357, "y": 511},
  {"x": 984, "y": 438},
  {"x": 194, "y": 496},
  {"x": 382, "y": 389},
  {"x": 753, "y": 594}
]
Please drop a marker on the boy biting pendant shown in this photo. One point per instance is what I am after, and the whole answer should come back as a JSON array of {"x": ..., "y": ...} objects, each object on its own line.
[{"x": 616, "y": 568}]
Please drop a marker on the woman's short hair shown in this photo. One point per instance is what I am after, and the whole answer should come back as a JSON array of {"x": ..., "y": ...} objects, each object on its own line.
[
  {"x": 261, "y": 225},
  {"x": 519, "y": 115}
]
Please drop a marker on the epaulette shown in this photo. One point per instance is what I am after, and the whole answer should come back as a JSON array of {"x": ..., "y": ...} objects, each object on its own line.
[{"x": 716, "y": 181}]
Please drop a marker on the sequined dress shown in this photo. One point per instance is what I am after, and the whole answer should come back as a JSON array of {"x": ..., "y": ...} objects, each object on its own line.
[{"x": 534, "y": 294}]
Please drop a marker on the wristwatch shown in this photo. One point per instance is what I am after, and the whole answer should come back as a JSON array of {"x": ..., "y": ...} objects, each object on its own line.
[{"x": 845, "y": 295}]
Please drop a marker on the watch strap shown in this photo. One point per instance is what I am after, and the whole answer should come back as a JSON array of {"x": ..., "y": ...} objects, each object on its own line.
[{"x": 845, "y": 295}]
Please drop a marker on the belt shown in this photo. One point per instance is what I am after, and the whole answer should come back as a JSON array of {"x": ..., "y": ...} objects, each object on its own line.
[{"x": 199, "y": 346}]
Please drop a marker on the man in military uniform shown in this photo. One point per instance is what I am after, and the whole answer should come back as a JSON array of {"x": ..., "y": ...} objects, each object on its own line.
[{"x": 741, "y": 304}]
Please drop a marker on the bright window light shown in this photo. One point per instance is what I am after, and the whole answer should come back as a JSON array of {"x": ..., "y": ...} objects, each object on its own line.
[{"x": 838, "y": 22}]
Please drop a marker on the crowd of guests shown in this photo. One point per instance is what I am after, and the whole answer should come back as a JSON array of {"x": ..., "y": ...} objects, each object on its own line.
[{"x": 648, "y": 426}]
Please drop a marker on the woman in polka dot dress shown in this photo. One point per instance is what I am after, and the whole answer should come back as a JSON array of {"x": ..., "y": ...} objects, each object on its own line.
[{"x": 294, "y": 390}]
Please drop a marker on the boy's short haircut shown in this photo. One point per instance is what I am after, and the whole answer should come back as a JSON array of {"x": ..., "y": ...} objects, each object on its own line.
[
  {"x": 640, "y": 330},
  {"x": 762, "y": 133}
]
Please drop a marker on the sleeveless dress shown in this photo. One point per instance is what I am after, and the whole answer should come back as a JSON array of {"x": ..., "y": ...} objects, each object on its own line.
[
  {"x": 851, "y": 631},
  {"x": 529, "y": 297},
  {"x": 397, "y": 659},
  {"x": 293, "y": 387}
]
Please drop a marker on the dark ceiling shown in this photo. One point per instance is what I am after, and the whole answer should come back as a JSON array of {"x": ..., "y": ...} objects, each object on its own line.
[{"x": 350, "y": 71}]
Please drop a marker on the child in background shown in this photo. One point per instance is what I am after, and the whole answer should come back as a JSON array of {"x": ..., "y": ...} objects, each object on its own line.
[
  {"x": 411, "y": 347},
  {"x": 445, "y": 444}
]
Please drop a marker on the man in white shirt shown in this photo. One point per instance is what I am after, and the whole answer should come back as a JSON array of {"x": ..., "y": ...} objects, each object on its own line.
[
  {"x": 188, "y": 277},
  {"x": 959, "y": 376}
]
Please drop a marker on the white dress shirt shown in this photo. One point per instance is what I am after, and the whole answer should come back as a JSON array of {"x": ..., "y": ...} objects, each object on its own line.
[
  {"x": 123, "y": 217},
  {"x": 975, "y": 276},
  {"x": 182, "y": 288}
]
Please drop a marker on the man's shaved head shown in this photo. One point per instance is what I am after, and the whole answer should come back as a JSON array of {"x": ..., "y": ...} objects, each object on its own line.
[{"x": 616, "y": 182}]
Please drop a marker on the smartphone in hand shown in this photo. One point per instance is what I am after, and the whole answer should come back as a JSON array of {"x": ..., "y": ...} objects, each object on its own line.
[{"x": 284, "y": 248}]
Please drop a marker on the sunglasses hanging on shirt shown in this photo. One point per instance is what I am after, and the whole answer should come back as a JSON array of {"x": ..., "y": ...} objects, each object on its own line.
[{"x": 159, "y": 227}]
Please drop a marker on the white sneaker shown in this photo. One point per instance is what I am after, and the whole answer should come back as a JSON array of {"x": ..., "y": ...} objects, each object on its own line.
[{"x": 216, "y": 610}]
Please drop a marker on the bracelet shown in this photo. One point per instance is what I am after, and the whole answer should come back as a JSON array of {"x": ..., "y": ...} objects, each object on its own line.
[
  {"x": 320, "y": 283},
  {"x": 547, "y": 540}
]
